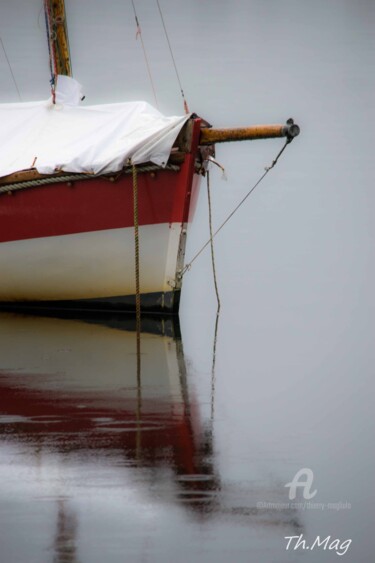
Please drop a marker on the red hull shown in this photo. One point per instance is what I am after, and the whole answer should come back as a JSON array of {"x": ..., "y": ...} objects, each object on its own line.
[
  {"x": 99, "y": 204},
  {"x": 71, "y": 243}
]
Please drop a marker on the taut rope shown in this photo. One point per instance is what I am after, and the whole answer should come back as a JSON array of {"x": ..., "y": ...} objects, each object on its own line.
[
  {"x": 186, "y": 108},
  {"x": 268, "y": 168},
  {"x": 139, "y": 32}
]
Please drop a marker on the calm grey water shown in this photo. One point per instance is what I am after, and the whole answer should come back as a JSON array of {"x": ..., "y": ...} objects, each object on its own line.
[
  {"x": 183, "y": 463},
  {"x": 178, "y": 462}
]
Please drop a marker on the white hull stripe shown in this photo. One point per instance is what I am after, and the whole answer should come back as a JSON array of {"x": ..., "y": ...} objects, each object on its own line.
[{"x": 89, "y": 265}]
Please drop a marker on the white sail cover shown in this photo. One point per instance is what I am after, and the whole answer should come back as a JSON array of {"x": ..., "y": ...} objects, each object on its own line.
[{"x": 88, "y": 139}]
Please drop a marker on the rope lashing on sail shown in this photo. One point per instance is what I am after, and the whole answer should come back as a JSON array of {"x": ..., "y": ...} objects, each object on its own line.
[
  {"x": 267, "y": 170},
  {"x": 148, "y": 66},
  {"x": 186, "y": 107}
]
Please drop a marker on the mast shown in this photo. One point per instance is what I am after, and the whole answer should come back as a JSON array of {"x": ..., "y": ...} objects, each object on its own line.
[{"x": 58, "y": 41}]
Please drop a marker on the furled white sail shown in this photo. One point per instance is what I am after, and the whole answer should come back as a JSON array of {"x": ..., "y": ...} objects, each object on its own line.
[{"x": 88, "y": 139}]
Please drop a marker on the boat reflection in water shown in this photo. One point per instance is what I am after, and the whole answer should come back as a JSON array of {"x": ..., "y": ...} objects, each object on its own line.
[
  {"x": 87, "y": 439},
  {"x": 70, "y": 397},
  {"x": 72, "y": 386}
]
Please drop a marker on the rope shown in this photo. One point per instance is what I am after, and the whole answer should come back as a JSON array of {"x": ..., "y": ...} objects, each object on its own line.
[
  {"x": 138, "y": 314},
  {"x": 267, "y": 170},
  {"x": 139, "y": 32},
  {"x": 8, "y": 188},
  {"x": 213, "y": 372},
  {"x": 186, "y": 108},
  {"x": 136, "y": 252},
  {"x": 11, "y": 70},
  {"x": 211, "y": 241}
]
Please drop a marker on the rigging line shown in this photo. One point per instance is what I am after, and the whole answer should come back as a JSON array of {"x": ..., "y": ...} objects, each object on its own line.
[
  {"x": 186, "y": 108},
  {"x": 40, "y": 13},
  {"x": 211, "y": 241},
  {"x": 11, "y": 71},
  {"x": 267, "y": 170},
  {"x": 139, "y": 32}
]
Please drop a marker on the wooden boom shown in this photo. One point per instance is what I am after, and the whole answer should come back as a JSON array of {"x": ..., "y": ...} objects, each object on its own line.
[{"x": 211, "y": 136}]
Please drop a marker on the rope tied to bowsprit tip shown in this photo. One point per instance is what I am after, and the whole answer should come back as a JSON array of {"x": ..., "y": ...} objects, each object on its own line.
[{"x": 266, "y": 171}]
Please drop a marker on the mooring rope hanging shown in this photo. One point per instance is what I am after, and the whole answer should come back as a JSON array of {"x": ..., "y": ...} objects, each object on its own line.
[
  {"x": 186, "y": 108},
  {"x": 211, "y": 240},
  {"x": 139, "y": 33},
  {"x": 267, "y": 170},
  {"x": 137, "y": 275},
  {"x": 213, "y": 372}
]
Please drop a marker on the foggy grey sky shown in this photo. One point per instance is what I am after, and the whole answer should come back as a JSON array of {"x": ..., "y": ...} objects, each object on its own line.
[{"x": 295, "y": 361}]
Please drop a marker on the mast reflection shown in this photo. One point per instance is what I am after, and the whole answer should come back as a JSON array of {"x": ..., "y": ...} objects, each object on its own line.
[{"x": 65, "y": 544}]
